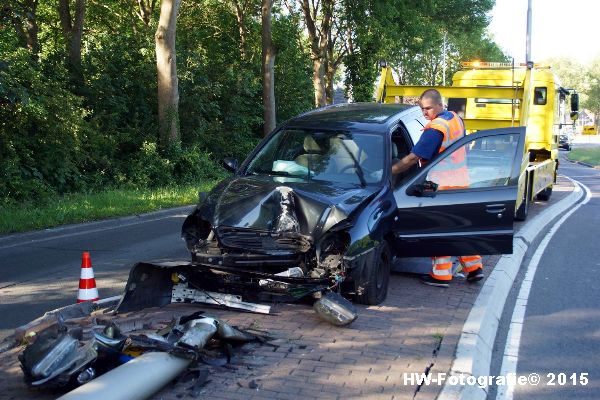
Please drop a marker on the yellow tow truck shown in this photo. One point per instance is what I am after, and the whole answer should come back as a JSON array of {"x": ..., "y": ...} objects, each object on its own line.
[{"x": 495, "y": 95}]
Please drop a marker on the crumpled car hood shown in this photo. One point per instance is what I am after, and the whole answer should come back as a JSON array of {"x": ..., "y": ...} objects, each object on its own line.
[{"x": 271, "y": 203}]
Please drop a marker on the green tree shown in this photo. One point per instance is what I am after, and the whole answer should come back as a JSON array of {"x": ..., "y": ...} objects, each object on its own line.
[
  {"x": 41, "y": 125},
  {"x": 570, "y": 72},
  {"x": 293, "y": 69},
  {"x": 166, "y": 66},
  {"x": 79, "y": 92},
  {"x": 415, "y": 38},
  {"x": 71, "y": 21},
  {"x": 23, "y": 16},
  {"x": 592, "y": 89},
  {"x": 268, "y": 68},
  {"x": 318, "y": 20}
]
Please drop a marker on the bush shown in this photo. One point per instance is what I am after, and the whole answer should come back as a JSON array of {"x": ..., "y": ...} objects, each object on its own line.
[
  {"x": 40, "y": 126},
  {"x": 193, "y": 165},
  {"x": 149, "y": 169},
  {"x": 59, "y": 136}
]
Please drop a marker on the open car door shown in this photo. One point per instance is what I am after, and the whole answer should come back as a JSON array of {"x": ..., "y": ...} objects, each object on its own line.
[{"x": 434, "y": 219}]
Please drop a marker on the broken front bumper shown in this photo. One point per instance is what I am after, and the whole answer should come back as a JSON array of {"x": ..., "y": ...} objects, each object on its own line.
[{"x": 151, "y": 284}]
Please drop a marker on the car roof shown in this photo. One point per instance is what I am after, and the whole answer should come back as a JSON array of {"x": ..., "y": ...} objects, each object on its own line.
[{"x": 374, "y": 117}]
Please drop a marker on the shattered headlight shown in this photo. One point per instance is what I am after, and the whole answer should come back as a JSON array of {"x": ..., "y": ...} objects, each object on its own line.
[{"x": 195, "y": 231}]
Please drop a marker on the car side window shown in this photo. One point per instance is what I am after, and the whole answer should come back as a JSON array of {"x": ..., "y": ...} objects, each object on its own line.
[
  {"x": 400, "y": 143},
  {"x": 400, "y": 147},
  {"x": 414, "y": 125},
  {"x": 481, "y": 163}
]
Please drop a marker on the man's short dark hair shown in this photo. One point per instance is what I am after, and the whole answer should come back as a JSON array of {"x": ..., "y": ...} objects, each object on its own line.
[{"x": 432, "y": 94}]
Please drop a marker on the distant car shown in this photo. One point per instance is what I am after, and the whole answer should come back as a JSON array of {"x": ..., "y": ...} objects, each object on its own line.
[
  {"x": 316, "y": 200},
  {"x": 564, "y": 142}
]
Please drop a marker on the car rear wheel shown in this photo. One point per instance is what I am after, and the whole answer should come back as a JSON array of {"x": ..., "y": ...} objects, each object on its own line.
[{"x": 377, "y": 277}]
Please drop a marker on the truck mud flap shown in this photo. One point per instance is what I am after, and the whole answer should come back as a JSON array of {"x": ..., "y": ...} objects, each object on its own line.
[{"x": 150, "y": 284}]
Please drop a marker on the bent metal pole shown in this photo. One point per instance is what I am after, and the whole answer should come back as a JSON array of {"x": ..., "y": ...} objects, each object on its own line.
[{"x": 144, "y": 376}]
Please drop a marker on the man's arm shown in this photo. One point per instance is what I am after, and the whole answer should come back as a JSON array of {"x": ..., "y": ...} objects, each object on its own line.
[
  {"x": 425, "y": 149},
  {"x": 404, "y": 164}
]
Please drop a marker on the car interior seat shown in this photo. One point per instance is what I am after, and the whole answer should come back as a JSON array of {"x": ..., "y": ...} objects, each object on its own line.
[
  {"x": 345, "y": 161},
  {"x": 399, "y": 151},
  {"x": 313, "y": 153},
  {"x": 395, "y": 157}
]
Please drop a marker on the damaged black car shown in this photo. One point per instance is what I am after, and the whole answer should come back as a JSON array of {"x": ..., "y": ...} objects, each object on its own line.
[{"x": 316, "y": 201}]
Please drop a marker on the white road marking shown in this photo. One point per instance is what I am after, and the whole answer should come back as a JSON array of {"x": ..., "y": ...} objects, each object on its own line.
[{"x": 513, "y": 340}]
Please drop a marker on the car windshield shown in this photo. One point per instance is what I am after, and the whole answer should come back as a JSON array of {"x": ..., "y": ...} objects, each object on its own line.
[{"x": 331, "y": 156}]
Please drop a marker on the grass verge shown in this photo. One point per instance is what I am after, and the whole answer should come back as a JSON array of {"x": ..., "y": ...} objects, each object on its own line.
[
  {"x": 589, "y": 155},
  {"x": 74, "y": 208}
]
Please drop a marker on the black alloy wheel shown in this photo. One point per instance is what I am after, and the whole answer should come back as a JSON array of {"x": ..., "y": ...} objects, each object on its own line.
[{"x": 378, "y": 277}]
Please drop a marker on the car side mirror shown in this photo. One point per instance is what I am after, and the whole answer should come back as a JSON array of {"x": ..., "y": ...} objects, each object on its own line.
[
  {"x": 230, "y": 164},
  {"x": 425, "y": 189}
]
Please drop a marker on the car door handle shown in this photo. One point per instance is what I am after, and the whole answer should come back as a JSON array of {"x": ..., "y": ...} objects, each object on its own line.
[{"x": 495, "y": 208}]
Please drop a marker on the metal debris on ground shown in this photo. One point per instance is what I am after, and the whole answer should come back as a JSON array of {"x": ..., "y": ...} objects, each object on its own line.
[
  {"x": 95, "y": 349},
  {"x": 185, "y": 282},
  {"x": 57, "y": 356},
  {"x": 81, "y": 344},
  {"x": 183, "y": 294},
  {"x": 157, "y": 284}
]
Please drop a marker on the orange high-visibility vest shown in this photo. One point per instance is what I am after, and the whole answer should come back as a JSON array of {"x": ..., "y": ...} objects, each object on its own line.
[{"x": 450, "y": 173}]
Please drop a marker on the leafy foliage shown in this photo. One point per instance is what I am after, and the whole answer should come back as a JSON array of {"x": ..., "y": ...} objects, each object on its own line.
[
  {"x": 59, "y": 135},
  {"x": 583, "y": 78},
  {"x": 592, "y": 86},
  {"x": 41, "y": 128}
]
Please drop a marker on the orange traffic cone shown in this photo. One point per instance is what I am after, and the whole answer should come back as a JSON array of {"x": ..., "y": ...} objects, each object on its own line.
[{"x": 87, "y": 283}]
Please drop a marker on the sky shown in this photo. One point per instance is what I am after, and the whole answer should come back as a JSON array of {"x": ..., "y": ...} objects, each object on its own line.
[{"x": 560, "y": 28}]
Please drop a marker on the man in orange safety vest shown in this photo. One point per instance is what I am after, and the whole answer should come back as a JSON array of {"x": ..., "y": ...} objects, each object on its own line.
[{"x": 443, "y": 129}]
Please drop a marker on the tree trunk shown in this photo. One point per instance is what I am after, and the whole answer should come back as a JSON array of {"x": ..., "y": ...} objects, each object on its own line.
[
  {"x": 318, "y": 46},
  {"x": 145, "y": 9},
  {"x": 268, "y": 64},
  {"x": 168, "y": 92},
  {"x": 26, "y": 27},
  {"x": 240, "y": 13},
  {"x": 329, "y": 84},
  {"x": 72, "y": 28},
  {"x": 331, "y": 67},
  {"x": 319, "y": 82}
]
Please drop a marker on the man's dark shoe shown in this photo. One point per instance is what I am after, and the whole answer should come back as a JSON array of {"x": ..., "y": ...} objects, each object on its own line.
[
  {"x": 431, "y": 281},
  {"x": 475, "y": 276}
]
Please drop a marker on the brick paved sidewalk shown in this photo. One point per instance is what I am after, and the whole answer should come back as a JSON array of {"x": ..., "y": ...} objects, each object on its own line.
[{"x": 416, "y": 329}]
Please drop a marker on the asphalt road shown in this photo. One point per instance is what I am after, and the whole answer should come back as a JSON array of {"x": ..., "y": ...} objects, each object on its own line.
[
  {"x": 560, "y": 335},
  {"x": 40, "y": 271}
]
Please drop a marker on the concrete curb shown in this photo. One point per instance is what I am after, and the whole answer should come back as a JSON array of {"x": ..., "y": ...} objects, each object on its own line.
[
  {"x": 474, "y": 349},
  {"x": 582, "y": 163},
  {"x": 585, "y": 164}
]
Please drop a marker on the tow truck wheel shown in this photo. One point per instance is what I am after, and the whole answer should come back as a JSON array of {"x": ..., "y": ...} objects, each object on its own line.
[
  {"x": 545, "y": 194},
  {"x": 378, "y": 277}
]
